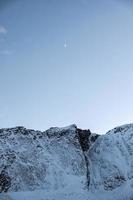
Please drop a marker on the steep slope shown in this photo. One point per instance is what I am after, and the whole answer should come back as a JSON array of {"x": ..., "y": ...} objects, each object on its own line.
[
  {"x": 67, "y": 163},
  {"x": 111, "y": 159},
  {"x": 32, "y": 160}
]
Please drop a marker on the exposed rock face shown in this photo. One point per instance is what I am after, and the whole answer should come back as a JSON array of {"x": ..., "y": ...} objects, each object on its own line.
[
  {"x": 5, "y": 181},
  {"x": 42, "y": 160},
  {"x": 84, "y": 139},
  {"x": 59, "y": 157}
]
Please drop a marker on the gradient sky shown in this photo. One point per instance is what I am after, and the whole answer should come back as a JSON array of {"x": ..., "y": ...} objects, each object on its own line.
[{"x": 65, "y": 62}]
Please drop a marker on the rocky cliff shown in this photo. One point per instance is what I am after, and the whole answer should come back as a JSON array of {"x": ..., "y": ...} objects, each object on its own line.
[{"x": 62, "y": 158}]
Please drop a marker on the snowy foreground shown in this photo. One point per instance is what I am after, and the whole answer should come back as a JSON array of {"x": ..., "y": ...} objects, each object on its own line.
[
  {"x": 73, "y": 194},
  {"x": 66, "y": 164}
]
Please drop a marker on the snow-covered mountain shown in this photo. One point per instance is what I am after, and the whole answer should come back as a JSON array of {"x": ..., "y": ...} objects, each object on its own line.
[{"x": 66, "y": 163}]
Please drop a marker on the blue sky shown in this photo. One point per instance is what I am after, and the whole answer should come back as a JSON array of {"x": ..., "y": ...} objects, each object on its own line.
[{"x": 65, "y": 62}]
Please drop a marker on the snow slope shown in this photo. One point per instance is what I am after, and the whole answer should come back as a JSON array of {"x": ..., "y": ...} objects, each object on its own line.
[
  {"x": 66, "y": 163},
  {"x": 111, "y": 159}
]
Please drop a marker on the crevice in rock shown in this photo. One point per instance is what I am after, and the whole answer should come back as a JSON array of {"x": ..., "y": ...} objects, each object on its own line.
[
  {"x": 86, "y": 138},
  {"x": 83, "y": 137}
]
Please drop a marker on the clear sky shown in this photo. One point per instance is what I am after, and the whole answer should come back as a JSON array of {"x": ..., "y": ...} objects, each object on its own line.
[{"x": 65, "y": 62}]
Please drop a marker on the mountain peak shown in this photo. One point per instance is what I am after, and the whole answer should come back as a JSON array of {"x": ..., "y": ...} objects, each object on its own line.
[{"x": 122, "y": 128}]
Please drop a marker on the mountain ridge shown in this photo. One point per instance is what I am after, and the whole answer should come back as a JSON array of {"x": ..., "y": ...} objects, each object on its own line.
[{"x": 62, "y": 158}]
